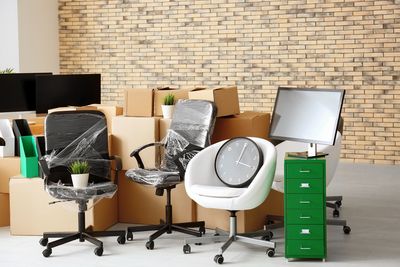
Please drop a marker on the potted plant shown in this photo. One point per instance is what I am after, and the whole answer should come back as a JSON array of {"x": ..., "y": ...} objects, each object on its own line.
[
  {"x": 168, "y": 107},
  {"x": 79, "y": 173},
  {"x": 7, "y": 71}
]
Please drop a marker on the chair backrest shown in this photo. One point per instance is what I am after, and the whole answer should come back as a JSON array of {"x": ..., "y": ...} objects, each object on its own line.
[
  {"x": 191, "y": 126},
  {"x": 76, "y": 135}
]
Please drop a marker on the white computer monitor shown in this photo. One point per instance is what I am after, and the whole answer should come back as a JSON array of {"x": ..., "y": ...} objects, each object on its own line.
[{"x": 307, "y": 115}]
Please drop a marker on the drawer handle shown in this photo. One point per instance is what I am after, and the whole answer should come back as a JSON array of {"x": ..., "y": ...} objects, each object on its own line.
[
  {"x": 305, "y": 217},
  {"x": 304, "y": 185},
  {"x": 305, "y": 202},
  {"x": 304, "y": 171},
  {"x": 302, "y": 248},
  {"x": 305, "y": 231}
]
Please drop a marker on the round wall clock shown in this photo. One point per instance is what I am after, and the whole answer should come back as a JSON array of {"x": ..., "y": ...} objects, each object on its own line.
[{"x": 238, "y": 161}]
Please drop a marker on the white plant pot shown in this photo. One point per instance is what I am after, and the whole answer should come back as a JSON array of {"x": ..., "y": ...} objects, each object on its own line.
[
  {"x": 80, "y": 180},
  {"x": 167, "y": 111}
]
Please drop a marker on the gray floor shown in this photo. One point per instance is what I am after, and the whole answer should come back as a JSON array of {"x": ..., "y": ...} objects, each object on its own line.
[{"x": 371, "y": 205}]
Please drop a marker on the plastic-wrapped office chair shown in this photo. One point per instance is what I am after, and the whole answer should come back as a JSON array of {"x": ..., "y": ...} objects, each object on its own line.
[
  {"x": 203, "y": 186},
  {"x": 71, "y": 136},
  {"x": 190, "y": 131},
  {"x": 332, "y": 161}
]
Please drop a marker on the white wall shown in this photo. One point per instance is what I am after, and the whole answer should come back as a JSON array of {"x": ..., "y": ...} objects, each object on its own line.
[
  {"x": 29, "y": 35},
  {"x": 38, "y": 36},
  {"x": 9, "y": 49}
]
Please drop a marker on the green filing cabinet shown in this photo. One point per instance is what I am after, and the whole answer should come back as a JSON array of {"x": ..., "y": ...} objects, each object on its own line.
[{"x": 305, "y": 196}]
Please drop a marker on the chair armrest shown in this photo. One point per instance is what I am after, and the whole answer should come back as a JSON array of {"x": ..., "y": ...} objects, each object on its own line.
[
  {"x": 135, "y": 153},
  {"x": 178, "y": 163},
  {"x": 118, "y": 162}
]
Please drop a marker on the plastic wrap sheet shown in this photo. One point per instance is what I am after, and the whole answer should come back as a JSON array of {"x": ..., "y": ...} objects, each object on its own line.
[
  {"x": 154, "y": 177},
  {"x": 194, "y": 121},
  {"x": 78, "y": 136},
  {"x": 92, "y": 191}
]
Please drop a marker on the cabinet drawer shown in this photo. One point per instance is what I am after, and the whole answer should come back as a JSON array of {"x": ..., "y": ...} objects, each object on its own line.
[
  {"x": 304, "y": 201},
  {"x": 305, "y": 232},
  {"x": 305, "y": 248},
  {"x": 304, "y": 170},
  {"x": 309, "y": 216},
  {"x": 304, "y": 186}
]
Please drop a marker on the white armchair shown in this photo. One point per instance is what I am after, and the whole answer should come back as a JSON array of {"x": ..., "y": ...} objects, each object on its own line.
[{"x": 203, "y": 186}]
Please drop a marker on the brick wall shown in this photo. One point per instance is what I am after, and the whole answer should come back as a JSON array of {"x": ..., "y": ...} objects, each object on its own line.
[{"x": 258, "y": 45}]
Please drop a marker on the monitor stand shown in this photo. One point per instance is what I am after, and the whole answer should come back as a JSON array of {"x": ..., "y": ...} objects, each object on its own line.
[{"x": 311, "y": 153}]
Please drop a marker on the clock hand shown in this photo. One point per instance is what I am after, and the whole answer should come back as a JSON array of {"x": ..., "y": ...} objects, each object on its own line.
[
  {"x": 241, "y": 153},
  {"x": 243, "y": 164}
]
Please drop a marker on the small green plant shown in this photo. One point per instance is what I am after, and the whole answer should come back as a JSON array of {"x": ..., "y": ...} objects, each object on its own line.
[
  {"x": 169, "y": 100},
  {"x": 79, "y": 167},
  {"x": 7, "y": 71}
]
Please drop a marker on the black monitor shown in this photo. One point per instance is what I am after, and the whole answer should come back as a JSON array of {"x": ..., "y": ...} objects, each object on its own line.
[
  {"x": 18, "y": 92},
  {"x": 66, "y": 90},
  {"x": 307, "y": 115}
]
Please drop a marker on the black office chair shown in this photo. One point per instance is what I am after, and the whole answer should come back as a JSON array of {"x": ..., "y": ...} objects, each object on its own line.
[
  {"x": 190, "y": 131},
  {"x": 70, "y": 136}
]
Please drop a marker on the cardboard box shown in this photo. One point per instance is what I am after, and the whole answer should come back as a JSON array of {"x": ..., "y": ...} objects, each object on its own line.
[
  {"x": 7, "y": 134},
  {"x": 164, "y": 127},
  {"x": 71, "y": 108},
  {"x": 29, "y": 156},
  {"x": 249, "y": 123},
  {"x": 139, "y": 204},
  {"x": 9, "y": 167},
  {"x": 36, "y": 128},
  {"x": 226, "y": 99},
  {"x": 161, "y": 93},
  {"x": 138, "y": 102},
  {"x": 4, "y": 210},
  {"x": 247, "y": 221},
  {"x": 31, "y": 213},
  {"x": 110, "y": 111},
  {"x": 130, "y": 133}
]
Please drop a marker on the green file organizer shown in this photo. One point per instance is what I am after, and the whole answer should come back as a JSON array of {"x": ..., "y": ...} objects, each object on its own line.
[
  {"x": 305, "y": 198},
  {"x": 29, "y": 156}
]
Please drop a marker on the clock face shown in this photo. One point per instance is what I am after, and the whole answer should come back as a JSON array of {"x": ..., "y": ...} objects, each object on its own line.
[{"x": 238, "y": 161}]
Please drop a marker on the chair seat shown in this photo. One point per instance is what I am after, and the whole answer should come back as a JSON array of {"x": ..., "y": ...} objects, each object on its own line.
[
  {"x": 67, "y": 192},
  {"x": 217, "y": 191},
  {"x": 154, "y": 177}
]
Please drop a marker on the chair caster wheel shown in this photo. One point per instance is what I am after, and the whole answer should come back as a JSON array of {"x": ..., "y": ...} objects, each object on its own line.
[
  {"x": 219, "y": 259},
  {"x": 150, "y": 245},
  {"x": 269, "y": 222},
  {"x": 216, "y": 234},
  {"x": 336, "y": 213},
  {"x": 121, "y": 240},
  {"x": 338, "y": 203},
  {"x": 346, "y": 229},
  {"x": 187, "y": 249},
  {"x": 271, "y": 252},
  {"x": 43, "y": 241},
  {"x": 47, "y": 252},
  {"x": 98, "y": 251},
  {"x": 268, "y": 236},
  {"x": 129, "y": 236}
]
